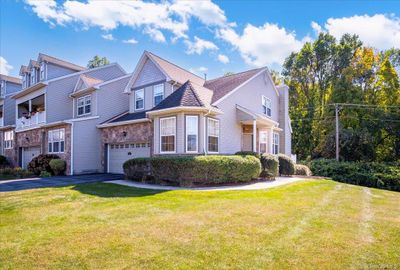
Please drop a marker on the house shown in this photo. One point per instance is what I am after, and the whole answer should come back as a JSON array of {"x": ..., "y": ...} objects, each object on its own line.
[
  {"x": 8, "y": 87},
  {"x": 174, "y": 112},
  {"x": 59, "y": 107}
]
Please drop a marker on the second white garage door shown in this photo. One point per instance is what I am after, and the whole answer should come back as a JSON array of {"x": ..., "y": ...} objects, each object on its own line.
[
  {"x": 119, "y": 153},
  {"x": 28, "y": 154}
]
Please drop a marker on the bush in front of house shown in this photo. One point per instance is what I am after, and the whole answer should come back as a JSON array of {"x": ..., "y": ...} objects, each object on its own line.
[
  {"x": 41, "y": 163},
  {"x": 269, "y": 166},
  {"x": 194, "y": 170},
  {"x": 286, "y": 165},
  {"x": 300, "y": 169},
  {"x": 16, "y": 172},
  {"x": 58, "y": 166},
  {"x": 3, "y": 161},
  {"x": 369, "y": 174},
  {"x": 248, "y": 153}
]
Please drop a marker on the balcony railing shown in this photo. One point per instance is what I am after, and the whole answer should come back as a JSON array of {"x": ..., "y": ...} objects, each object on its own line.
[{"x": 35, "y": 119}]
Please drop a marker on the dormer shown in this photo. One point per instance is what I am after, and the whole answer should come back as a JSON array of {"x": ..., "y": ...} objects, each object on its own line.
[{"x": 84, "y": 97}]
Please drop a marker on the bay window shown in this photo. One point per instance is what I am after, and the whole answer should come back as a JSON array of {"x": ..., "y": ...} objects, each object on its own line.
[
  {"x": 158, "y": 93},
  {"x": 275, "y": 143},
  {"x": 192, "y": 133},
  {"x": 213, "y": 135},
  {"x": 266, "y": 105},
  {"x": 8, "y": 139},
  {"x": 139, "y": 99},
  {"x": 84, "y": 105},
  {"x": 263, "y": 142},
  {"x": 167, "y": 135},
  {"x": 56, "y": 140}
]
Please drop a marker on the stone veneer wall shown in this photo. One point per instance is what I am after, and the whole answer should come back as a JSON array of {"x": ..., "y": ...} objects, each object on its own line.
[
  {"x": 10, "y": 154},
  {"x": 136, "y": 133},
  {"x": 38, "y": 137}
]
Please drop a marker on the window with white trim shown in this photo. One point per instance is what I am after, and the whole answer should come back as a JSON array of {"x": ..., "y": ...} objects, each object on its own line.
[
  {"x": 263, "y": 141},
  {"x": 33, "y": 76},
  {"x": 56, "y": 139},
  {"x": 275, "y": 143},
  {"x": 167, "y": 134},
  {"x": 139, "y": 99},
  {"x": 84, "y": 105},
  {"x": 192, "y": 133},
  {"x": 266, "y": 104},
  {"x": 158, "y": 94},
  {"x": 213, "y": 135},
  {"x": 42, "y": 69},
  {"x": 24, "y": 84},
  {"x": 8, "y": 139}
]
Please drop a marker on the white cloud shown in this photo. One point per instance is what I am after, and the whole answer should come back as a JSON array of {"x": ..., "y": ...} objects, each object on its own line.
[
  {"x": 265, "y": 45},
  {"x": 130, "y": 41},
  {"x": 5, "y": 68},
  {"x": 49, "y": 12},
  {"x": 379, "y": 31},
  {"x": 316, "y": 27},
  {"x": 108, "y": 36},
  {"x": 223, "y": 58},
  {"x": 200, "y": 71},
  {"x": 155, "y": 34},
  {"x": 199, "y": 46}
]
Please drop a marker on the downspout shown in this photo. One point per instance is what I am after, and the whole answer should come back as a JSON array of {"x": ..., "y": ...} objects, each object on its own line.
[
  {"x": 72, "y": 149},
  {"x": 205, "y": 132}
]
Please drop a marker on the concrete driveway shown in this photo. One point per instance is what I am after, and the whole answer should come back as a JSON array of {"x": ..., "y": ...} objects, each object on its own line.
[{"x": 56, "y": 181}]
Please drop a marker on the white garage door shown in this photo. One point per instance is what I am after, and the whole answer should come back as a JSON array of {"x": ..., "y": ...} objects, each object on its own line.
[
  {"x": 119, "y": 153},
  {"x": 28, "y": 154}
]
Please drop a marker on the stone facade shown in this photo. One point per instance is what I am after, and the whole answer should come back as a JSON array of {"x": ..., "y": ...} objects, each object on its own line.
[
  {"x": 10, "y": 154},
  {"x": 38, "y": 137},
  {"x": 131, "y": 133}
]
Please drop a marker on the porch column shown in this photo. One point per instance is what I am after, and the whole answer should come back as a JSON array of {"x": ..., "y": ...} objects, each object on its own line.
[
  {"x": 270, "y": 139},
  {"x": 254, "y": 135}
]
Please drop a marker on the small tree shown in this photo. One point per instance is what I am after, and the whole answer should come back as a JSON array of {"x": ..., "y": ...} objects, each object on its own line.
[{"x": 98, "y": 61}]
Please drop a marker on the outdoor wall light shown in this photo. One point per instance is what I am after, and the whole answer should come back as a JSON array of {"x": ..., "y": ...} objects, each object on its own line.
[
  {"x": 27, "y": 139},
  {"x": 124, "y": 133}
]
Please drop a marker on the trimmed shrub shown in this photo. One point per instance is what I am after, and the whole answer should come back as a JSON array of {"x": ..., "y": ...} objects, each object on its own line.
[
  {"x": 44, "y": 174},
  {"x": 194, "y": 170},
  {"x": 41, "y": 163},
  {"x": 248, "y": 153},
  {"x": 58, "y": 166},
  {"x": 369, "y": 174},
  {"x": 300, "y": 169},
  {"x": 16, "y": 172},
  {"x": 3, "y": 161},
  {"x": 269, "y": 165},
  {"x": 286, "y": 165},
  {"x": 137, "y": 169}
]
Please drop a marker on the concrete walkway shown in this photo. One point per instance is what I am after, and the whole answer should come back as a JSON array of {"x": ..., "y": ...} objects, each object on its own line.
[
  {"x": 55, "y": 181},
  {"x": 253, "y": 186}
]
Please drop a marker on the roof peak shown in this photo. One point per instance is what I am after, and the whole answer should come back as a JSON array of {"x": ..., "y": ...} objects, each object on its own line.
[{"x": 238, "y": 73}]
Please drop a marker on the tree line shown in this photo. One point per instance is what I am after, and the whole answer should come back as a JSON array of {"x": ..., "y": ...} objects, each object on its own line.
[{"x": 328, "y": 71}]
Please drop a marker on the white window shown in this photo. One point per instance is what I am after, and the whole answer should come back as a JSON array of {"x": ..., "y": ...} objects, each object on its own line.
[
  {"x": 275, "y": 144},
  {"x": 8, "y": 139},
  {"x": 213, "y": 135},
  {"x": 158, "y": 94},
  {"x": 84, "y": 105},
  {"x": 2, "y": 88},
  {"x": 167, "y": 134},
  {"x": 24, "y": 80},
  {"x": 139, "y": 99},
  {"x": 56, "y": 140},
  {"x": 33, "y": 75},
  {"x": 263, "y": 141},
  {"x": 266, "y": 104},
  {"x": 42, "y": 71},
  {"x": 192, "y": 133}
]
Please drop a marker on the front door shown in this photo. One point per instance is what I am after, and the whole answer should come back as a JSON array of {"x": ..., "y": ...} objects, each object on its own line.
[{"x": 247, "y": 142}]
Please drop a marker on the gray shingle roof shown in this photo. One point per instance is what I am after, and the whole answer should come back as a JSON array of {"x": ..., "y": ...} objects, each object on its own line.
[
  {"x": 129, "y": 117},
  {"x": 224, "y": 85}
]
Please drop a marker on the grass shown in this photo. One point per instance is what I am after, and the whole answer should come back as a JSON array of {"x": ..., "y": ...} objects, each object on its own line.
[{"x": 316, "y": 224}]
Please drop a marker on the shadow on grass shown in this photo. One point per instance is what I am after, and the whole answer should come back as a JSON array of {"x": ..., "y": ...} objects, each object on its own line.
[{"x": 114, "y": 191}]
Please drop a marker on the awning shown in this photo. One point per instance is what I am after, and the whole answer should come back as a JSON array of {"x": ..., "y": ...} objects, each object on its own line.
[{"x": 247, "y": 116}]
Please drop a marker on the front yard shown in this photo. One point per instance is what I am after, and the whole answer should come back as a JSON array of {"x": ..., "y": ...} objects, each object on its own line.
[{"x": 316, "y": 224}]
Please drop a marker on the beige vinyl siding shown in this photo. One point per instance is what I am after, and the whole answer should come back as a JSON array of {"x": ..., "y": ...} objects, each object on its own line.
[
  {"x": 248, "y": 96},
  {"x": 54, "y": 71},
  {"x": 285, "y": 138},
  {"x": 149, "y": 74},
  {"x": 9, "y": 110}
]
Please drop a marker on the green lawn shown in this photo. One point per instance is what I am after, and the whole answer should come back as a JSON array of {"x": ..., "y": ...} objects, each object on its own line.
[{"x": 316, "y": 224}]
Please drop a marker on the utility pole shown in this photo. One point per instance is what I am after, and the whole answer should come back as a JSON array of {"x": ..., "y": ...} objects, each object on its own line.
[{"x": 337, "y": 108}]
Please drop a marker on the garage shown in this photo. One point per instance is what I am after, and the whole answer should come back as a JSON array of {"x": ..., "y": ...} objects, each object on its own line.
[
  {"x": 121, "y": 152},
  {"x": 28, "y": 153}
]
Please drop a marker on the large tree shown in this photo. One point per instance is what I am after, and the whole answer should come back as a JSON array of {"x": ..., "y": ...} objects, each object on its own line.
[{"x": 98, "y": 61}]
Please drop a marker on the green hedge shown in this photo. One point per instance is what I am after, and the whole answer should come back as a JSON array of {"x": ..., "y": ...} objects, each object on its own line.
[
  {"x": 270, "y": 166},
  {"x": 369, "y": 174},
  {"x": 194, "y": 170},
  {"x": 300, "y": 169},
  {"x": 286, "y": 165}
]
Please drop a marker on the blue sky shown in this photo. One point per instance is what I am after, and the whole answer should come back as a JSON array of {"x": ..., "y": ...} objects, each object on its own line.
[{"x": 203, "y": 36}]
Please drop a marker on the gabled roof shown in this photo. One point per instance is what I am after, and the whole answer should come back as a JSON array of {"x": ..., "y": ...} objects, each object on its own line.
[
  {"x": 33, "y": 63},
  {"x": 10, "y": 79},
  {"x": 59, "y": 62},
  {"x": 23, "y": 70},
  {"x": 224, "y": 85},
  {"x": 89, "y": 81},
  {"x": 129, "y": 117},
  {"x": 188, "y": 95}
]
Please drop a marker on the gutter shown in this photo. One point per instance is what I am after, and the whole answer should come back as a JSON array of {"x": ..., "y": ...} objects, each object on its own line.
[{"x": 123, "y": 123}]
